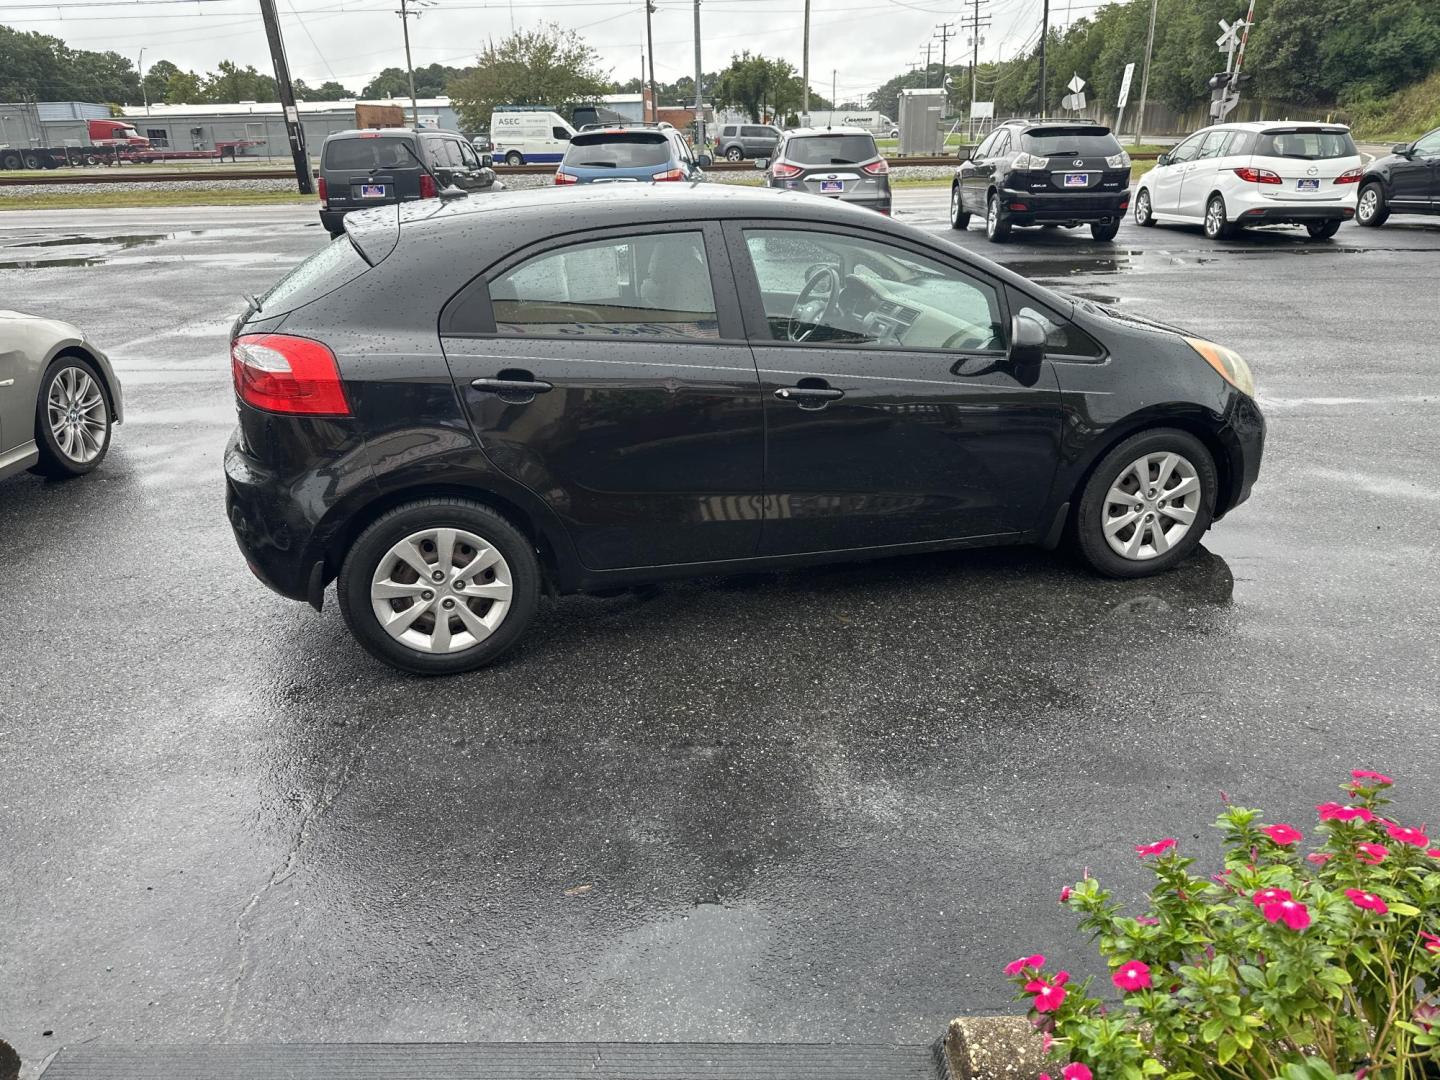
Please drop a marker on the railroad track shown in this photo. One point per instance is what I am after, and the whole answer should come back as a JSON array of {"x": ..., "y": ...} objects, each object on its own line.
[{"x": 131, "y": 174}]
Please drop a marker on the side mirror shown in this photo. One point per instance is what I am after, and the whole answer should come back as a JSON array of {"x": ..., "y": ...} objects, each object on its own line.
[
  {"x": 762, "y": 163},
  {"x": 487, "y": 161},
  {"x": 1163, "y": 159},
  {"x": 704, "y": 161},
  {"x": 1027, "y": 349},
  {"x": 1404, "y": 149},
  {"x": 316, "y": 174},
  {"x": 967, "y": 153}
]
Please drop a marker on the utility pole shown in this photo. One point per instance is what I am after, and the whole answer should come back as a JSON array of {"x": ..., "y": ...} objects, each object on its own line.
[
  {"x": 287, "y": 98},
  {"x": 805, "y": 72},
  {"x": 975, "y": 23},
  {"x": 405, "y": 13},
  {"x": 144, "y": 93},
  {"x": 1044, "y": 35},
  {"x": 1145, "y": 74},
  {"x": 945, "y": 34},
  {"x": 650, "y": 49},
  {"x": 699, "y": 103},
  {"x": 927, "y": 65}
]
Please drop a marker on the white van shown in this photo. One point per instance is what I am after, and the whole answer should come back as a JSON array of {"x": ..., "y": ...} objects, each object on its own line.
[{"x": 524, "y": 136}]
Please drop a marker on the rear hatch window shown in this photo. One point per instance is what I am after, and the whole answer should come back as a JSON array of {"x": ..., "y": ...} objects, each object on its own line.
[
  {"x": 1081, "y": 142},
  {"x": 1305, "y": 143},
  {"x": 367, "y": 153},
  {"x": 337, "y": 263},
  {"x": 831, "y": 149},
  {"x": 618, "y": 150}
]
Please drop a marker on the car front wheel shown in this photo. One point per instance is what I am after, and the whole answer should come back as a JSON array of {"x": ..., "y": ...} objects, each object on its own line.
[
  {"x": 1371, "y": 210},
  {"x": 72, "y": 419},
  {"x": 959, "y": 217},
  {"x": 1147, "y": 504},
  {"x": 439, "y": 586}
]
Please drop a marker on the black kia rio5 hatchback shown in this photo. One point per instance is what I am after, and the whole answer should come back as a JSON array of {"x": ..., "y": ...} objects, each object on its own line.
[{"x": 457, "y": 406}]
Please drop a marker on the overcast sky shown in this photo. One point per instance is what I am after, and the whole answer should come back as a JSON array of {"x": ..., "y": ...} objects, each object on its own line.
[{"x": 866, "y": 41}]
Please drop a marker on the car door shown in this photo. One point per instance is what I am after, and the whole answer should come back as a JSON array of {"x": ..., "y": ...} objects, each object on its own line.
[
  {"x": 892, "y": 416},
  {"x": 1165, "y": 180},
  {"x": 608, "y": 373},
  {"x": 975, "y": 181},
  {"x": 1199, "y": 176},
  {"x": 1414, "y": 180}
]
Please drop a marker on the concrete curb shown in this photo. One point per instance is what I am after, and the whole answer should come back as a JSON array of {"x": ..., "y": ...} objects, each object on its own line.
[{"x": 992, "y": 1048}]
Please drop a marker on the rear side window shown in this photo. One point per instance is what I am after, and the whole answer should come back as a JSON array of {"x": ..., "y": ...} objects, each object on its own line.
[
  {"x": 631, "y": 150},
  {"x": 1310, "y": 144},
  {"x": 830, "y": 149},
  {"x": 758, "y": 133},
  {"x": 332, "y": 266},
  {"x": 1240, "y": 142},
  {"x": 655, "y": 286},
  {"x": 364, "y": 153},
  {"x": 1069, "y": 142}
]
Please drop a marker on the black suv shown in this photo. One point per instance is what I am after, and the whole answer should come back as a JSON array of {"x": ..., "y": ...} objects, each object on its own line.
[
  {"x": 1405, "y": 181},
  {"x": 364, "y": 168},
  {"x": 1044, "y": 172}
]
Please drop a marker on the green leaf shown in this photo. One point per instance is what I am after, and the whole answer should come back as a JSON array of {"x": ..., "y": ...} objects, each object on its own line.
[
  {"x": 1213, "y": 1029},
  {"x": 1252, "y": 975},
  {"x": 1228, "y": 1049},
  {"x": 1404, "y": 909}
]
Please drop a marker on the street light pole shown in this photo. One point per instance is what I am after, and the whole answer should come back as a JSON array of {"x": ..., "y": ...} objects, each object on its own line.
[
  {"x": 699, "y": 103},
  {"x": 404, "y": 14},
  {"x": 805, "y": 71},
  {"x": 1145, "y": 78},
  {"x": 144, "y": 93},
  {"x": 650, "y": 49}
]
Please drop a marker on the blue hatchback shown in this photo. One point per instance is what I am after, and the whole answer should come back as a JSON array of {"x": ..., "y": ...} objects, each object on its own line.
[{"x": 637, "y": 154}]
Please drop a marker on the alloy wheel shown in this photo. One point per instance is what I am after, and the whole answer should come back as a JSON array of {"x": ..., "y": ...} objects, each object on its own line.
[
  {"x": 441, "y": 590},
  {"x": 1369, "y": 203},
  {"x": 990, "y": 216},
  {"x": 1151, "y": 506},
  {"x": 77, "y": 414},
  {"x": 954, "y": 203},
  {"x": 1142, "y": 208},
  {"x": 1214, "y": 218}
]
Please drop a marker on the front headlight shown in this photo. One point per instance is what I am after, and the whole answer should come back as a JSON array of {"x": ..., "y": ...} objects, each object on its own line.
[
  {"x": 1118, "y": 161},
  {"x": 1231, "y": 366}
]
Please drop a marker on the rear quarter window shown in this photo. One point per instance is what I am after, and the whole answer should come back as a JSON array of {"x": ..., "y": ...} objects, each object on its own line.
[
  {"x": 336, "y": 264},
  {"x": 364, "y": 153}
]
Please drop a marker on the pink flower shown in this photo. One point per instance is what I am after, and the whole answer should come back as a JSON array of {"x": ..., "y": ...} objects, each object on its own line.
[
  {"x": 1319, "y": 858},
  {"x": 1368, "y": 901},
  {"x": 1413, "y": 837},
  {"x": 1271, "y": 896},
  {"x": 1076, "y": 1071},
  {"x": 1133, "y": 975},
  {"x": 1157, "y": 848},
  {"x": 1049, "y": 996},
  {"x": 1434, "y": 853},
  {"x": 1147, "y": 920},
  {"x": 1295, "y": 914},
  {"x": 1284, "y": 835},
  {"x": 1365, "y": 774},
  {"x": 1432, "y": 943},
  {"x": 1046, "y": 1040},
  {"x": 1061, "y": 978},
  {"x": 1065, "y": 893},
  {"x": 1372, "y": 853},
  {"x": 1335, "y": 812},
  {"x": 1016, "y": 966}
]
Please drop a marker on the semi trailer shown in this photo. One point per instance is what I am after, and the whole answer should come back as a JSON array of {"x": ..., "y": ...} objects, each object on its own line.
[{"x": 108, "y": 142}]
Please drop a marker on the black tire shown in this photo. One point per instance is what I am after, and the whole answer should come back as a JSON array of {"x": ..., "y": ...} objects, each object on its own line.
[
  {"x": 1103, "y": 233},
  {"x": 1372, "y": 211},
  {"x": 1089, "y": 522},
  {"x": 55, "y": 461},
  {"x": 1144, "y": 212},
  {"x": 734, "y": 154},
  {"x": 372, "y": 545},
  {"x": 11, "y": 161},
  {"x": 34, "y": 161},
  {"x": 997, "y": 223},
  {"x": 1217, "y": 225},
  {"x": 1322, "y": 230},
  {"x": 514, "y": 157},
  {"x": 959, "y": 216}
]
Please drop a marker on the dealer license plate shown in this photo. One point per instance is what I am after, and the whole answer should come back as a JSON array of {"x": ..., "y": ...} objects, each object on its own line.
[
  {"x": 831, "y": 185},
  {"x": 372, "y": 191},
  {"x": 1077, "y": 179},
  {"x": 1307, "y": 185}
]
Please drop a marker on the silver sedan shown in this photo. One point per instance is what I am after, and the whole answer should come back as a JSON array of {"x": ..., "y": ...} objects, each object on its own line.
[{"x": 58, "y": 398}]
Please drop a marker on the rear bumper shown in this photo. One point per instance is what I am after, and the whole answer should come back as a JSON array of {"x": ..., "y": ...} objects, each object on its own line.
[
  {"x": 1295, "y": 214},
  {"x": 333, "y": 220},
  {"x": 1030, "y": 208},
  {"x": 272, "y": 533}
]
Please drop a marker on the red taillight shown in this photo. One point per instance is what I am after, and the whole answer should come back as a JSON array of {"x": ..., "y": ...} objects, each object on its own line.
[
  {"x": 782, "y": 171},
  {"x": 1258, "y": 176},
  {"x": 1351, "y": 177},
  {"x": 322, "y": 191},
  {"x": 427, "y": 186},
  {"x": 565, "y": 178},
  {"x": 284, "y": 374},
  {"x": 672, "y": 174},
  {"x": 1018, "y": 206},
  {"x": 877, "y": 168}
]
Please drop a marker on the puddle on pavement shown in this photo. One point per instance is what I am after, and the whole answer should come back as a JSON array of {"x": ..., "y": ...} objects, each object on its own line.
[{"x": 14, "y": 256}]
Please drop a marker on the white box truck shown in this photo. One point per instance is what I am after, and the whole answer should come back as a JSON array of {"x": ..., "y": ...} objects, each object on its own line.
[
  {"x": 526, "y": 136},
  {"x": 877, "y": 123}
]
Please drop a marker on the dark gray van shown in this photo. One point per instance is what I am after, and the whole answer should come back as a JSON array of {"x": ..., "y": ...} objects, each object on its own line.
[{"x": 364, "y": 168}]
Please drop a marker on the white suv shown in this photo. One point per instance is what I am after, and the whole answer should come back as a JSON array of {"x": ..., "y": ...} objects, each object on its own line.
[{"x": 1265, "y": 173}]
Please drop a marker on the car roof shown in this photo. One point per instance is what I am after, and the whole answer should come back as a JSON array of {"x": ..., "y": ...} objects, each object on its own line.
[
  {"x": 1270, "y": 125},
  {"x": 1053, "y": 121},
  {"x": 838, "y": 129},
  {"x": 374, "y": 133}
]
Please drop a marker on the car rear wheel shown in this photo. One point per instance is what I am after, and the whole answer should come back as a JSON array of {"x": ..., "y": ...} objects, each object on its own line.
[
  {"x": 1104, "y": 232},
  {"x": 734, "y": 154},
  {"x": 1147, "y": 504},
  {"x": 72, "y": 419},
  {"x": 959, "y": 218},
  {"x": 439, "y": 586},
  {"x": 1371, "y": 210},
  {"x": 997, "y": 225},
  {"x": 1144, "y": 215},
  {"x": 1322, "y": 230},
  {"x": 514, "y": 157},
  {"x": 1217, "y": 226}
]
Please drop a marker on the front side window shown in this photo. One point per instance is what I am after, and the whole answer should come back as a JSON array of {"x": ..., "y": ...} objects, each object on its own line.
[
  {"x": 1187, "y": 150},
  {"x": 829, "y": 288},
  {"x": 1429, "y": 146},
  {"x": 655, "y": 286},
  {"x": 560, "y": 134}
]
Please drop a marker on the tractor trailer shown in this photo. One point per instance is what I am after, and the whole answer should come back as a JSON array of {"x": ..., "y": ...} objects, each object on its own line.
[{"x": 106, "y": 142}]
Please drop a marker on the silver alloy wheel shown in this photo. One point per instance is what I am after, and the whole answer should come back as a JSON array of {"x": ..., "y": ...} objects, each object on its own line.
[
  {"x": 1369, "y": 203},
  {"x": 441, "y": 590},
  {"x": 78, "y": 418},
  {"x": 1151, "y": 506},
  {"x": 990, "y": 215},
  {"x": 1214, "y": 218}
]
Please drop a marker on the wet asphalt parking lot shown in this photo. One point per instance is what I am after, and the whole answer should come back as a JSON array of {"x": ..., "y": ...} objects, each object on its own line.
[{"x": 814, "y": 806}]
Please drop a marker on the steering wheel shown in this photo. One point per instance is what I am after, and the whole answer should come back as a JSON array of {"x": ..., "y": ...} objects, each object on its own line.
[
  {"x": 815, "y": 304},
  {"x": 965, "y": 340}
]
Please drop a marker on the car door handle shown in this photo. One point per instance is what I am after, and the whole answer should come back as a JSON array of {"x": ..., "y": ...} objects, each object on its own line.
[
  {"x": 513, "y": 386},
  {"x": 809, "y": 396}
]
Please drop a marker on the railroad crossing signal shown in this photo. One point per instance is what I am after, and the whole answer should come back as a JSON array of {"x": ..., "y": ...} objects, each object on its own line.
[{"x": 1230, "y": 34}]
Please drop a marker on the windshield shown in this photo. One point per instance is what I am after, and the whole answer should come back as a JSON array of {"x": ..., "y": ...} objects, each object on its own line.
[
  {"x": 1079, "y": 142},
  {"x": 612, "y": 150},
  {"x": 1307, "y": 143},
  {"x": 366, "y": 153},
  {"x": 830, "y": 149}
]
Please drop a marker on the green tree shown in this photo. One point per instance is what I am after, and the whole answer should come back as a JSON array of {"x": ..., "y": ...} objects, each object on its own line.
[
  {"x": 332, "y": 91},
  {"x": 184, "y": 88},
  {"x": 230, "y": 83},
  {"x": 546, "y": 66},
  {"x": 157, "y": 79},
  {"x": 761, "y": 87}
]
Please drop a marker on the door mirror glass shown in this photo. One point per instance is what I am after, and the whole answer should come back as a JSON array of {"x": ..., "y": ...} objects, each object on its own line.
[
  {"x": 762, "y": 163},
  {"x": 1027, "y": 348},
  {"x": 1403, "y": 149},
  {"x": 1163, "y": 159},
  {"x": 704, "y": 161}
]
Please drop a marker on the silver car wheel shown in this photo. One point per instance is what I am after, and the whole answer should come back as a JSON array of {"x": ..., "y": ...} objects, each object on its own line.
[
  {"x": 77, "y": 413},
  {"x": 1151, "y": 506},
  {"x": 1369, "y": 203},
  {"x": 441, "y": 590},
  {"x": 1214, "y": 218}
]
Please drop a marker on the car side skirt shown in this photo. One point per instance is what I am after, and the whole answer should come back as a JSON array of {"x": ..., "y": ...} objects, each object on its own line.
[{"x": 19, "y": 458}]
